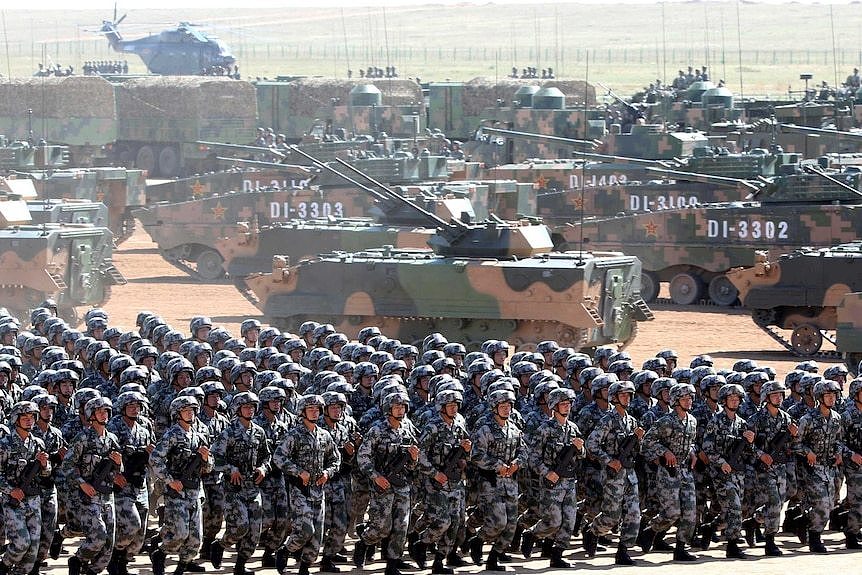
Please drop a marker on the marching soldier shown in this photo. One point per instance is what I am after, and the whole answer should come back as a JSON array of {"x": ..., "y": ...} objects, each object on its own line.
[
  {"x": 213, "y": 506},
  {"x": 55, "y": 446},
  {"x": 178, "y": 460},
  {"x": 852, "y": 421}
]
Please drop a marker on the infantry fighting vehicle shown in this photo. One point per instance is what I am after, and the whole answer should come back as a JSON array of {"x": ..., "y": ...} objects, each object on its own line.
[
  {"x": 68, "y": 262},
  {"x": 800, "y": 291},
  {"x": 493, "y": 279},
  {"x": 694, "y": 247},
  {"x": 848, "y": 335}
]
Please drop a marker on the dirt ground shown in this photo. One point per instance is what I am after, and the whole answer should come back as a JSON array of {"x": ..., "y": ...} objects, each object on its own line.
[{"x": 727, "y": 336}]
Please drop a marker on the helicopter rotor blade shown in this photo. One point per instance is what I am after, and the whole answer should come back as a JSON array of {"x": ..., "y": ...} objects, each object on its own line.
[{"x": 123, "y": 17}]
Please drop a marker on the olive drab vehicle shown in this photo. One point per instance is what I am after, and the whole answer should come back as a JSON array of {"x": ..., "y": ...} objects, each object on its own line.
[
  {"x": 24, "y": 155},
  {"x": 68, "y": 262},
  {"x": 493, "y": 279},
  {"x": 692, "y": 248},
  {"x": 848, "y": 334},
  {"x": 800, "y": 291}
]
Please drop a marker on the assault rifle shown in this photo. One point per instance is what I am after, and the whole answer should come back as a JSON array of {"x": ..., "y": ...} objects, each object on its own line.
[
  {"x": 453, "y": 465},
  {"x": 103, "y": 476},
  {"x": 565, "y": 465},
  {"x": 28, "y": 481},
  {"x": 135, "y": 460},
  {"x": 734, "y": 454},
  {"x": 627, "y": 452},
  {"x": 777, "y": 450}
]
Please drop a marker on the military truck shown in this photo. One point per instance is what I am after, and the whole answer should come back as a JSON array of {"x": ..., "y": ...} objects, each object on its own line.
[
  {"x": 692, "y": 248},
  {"x": 800, "y": 291},
  {"x": 493, "y": 279},
  {"x": 68, "y": 262}
]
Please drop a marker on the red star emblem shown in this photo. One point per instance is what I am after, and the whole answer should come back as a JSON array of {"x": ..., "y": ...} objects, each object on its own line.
[
  {"x": 198, "y": 189},
  {"x": 218, "y": 211},
  {"x": 540, "y": 183},
  {"x": 651, "y": 228}
]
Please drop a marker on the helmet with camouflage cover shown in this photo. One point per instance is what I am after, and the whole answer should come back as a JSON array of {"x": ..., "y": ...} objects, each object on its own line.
[
  {"x": 405, "y": 351},
  {"x": 396, "y": 366},
  {"x": 207, "y": 373},
  {"x": 268, "y": 334},
  {"x": 142, "y": 317},
  {"x": 792, "y": 379},
  {"x": 587, "y": 375},
  {"x": 444, "y": 363},
  {"x": 700, "y": 360},
  {"x": 135, "y": 374},
  {"x": 561, "y": 356},
  {"x": 334, "y": 340},
  {"x": 397, "y": 398},
  {"x": 181, "y": 402},
  {"x": 443, "y": 398},
  {"x": 524, "y": 368},
  {"x": 603, "y": 353},
  {"x": 266, "y": 377},
  {"x": 378, "y": 358},
  {"x": 361, "y": 351},
  {"x": 503, "y": 383},
  {"x": 712, "y": 381},
  {"x": 698, "y": 373},
  {"x": 543, "y": 389},
  {"x": 271, "y": 393},
  {"x": 248, "y": 325},
  {"x": 178, "y": 366},
  {"x": 619, "y": 387},
  {"x": 243, "y": 398},
  {"x": 655, "y": 364},
  {"x": 95, "y": 404},
  {"x": 434, "y": 341},
  {"x": 547, "y": 346},
  {"x": 808, "y": 365},
  {"x": 753, "y": 379},
  {"x": 602, "y": 381},
  {"x": 500, "y": 396},
  {"x": 365, "y": 369},
  {"x": 455, "y": 349},
  {"x": 333, "y": 398},
  {"x": 238, "y": 370},
  {"x": 643, "y": 377},
  {"x": 557, "y": 396},
  {"x": 309, "y": 400},
  {"x": 134, "y": 387},
  {"x": 745, "y": 365},
  {"x": 479, "y": 367},
  {"x": 826, "y": 386},
  {"x": 620, "y": 367},
  {"x": 432, "y": 355},
  {"x": 488, "y": 378},
  {"x": 119, "y": 363},
  {"x": 31, "y": 391},
  {"x": 22, "y": 408},
  {"x": 262, "y": 354},
  {"x": 62, "y": 375},
  {"x": 362, "y": 336},
  {"x": 213, "y": 387},
  {"x": 679, "y": 391},
  {"x": 82, "y": 396},
  {"x": 45, "y": 400},
  {"x": 171, "y": 338},
  {"x": 217, "y": 336},
  {"x": 660, "y": 384},
  {"x": 319, "y": 334},
  {"x": 128, "y": 397},
  {"x": 855, "y": 388},
  {"x": 226, "y": 364},
  {"x": 577, "y": 362},
  {"x": 143, "y": 352},
  {"x": 836, "y": 372},
  {"x": 771, "y": 387},
  {"x": 729, "y": 389}
]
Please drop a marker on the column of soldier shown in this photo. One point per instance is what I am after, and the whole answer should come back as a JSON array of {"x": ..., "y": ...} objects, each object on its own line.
[{"x": 292, "y": 443}]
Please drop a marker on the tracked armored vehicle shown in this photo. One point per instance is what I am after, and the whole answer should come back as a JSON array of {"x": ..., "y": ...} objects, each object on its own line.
[
  {"x": 478, "y": 281},
  {"x": 800, "y": 292}
]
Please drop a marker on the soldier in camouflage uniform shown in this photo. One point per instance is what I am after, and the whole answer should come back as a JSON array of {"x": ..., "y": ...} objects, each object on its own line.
[
  {"x": 820, "y": 442},
  {"x": 444, "y": 451},
  {"x": 669, "y": 443},
  {"x": 773, "y": 429},
  {"x": 308, "y": 457},
  {"x": 592, "y": 473},
  {"x": 345, "y": 434},
  {"x": 242, "y": 456},
  {"x": 23, "y": 460},
  {"x": 852, "y": 422},
  {"x": 554, "y": 449},
  {"x": 90, "y": 453},
  {"x": 727, "y": 443},
  {"x": 275, "y": 424},
  {"x": 614, "y": 443},
  {"x": 137, "y": 441},
  {"x": 178, "y": 460},
  {"x": 387, "y": 455},
  {"x": 213, "y": 506},
  {"x": 364, "y": 376},
  {"x": 55, "y": 446}
]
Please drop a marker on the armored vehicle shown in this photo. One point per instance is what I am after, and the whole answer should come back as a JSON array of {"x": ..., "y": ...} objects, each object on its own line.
[
  {"x": 800, "y": 291},
  {"x": 493, "y": 279},
  {"x": 848, "y": 335},
  {"x": 22, "y": 155},
  {"x": 68, "y": 262},
  {"x": 68, "y": 212},
  {"x": 694, "y": 247}
]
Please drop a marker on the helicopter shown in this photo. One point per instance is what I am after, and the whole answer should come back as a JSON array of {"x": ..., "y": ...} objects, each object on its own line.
[{"x": 184, "y": 50}]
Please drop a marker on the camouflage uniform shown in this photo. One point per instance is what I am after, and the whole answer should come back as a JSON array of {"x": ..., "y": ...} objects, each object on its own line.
[
  {"x": 54, "y": 445},
  {"x": 315, "y": 452},
  {"x": 675, "y": 485},
  {"x": 718, "y": 441},
  {"x": 360, "y": 402},
  {"x": 619, "y": 500},
  {"x": 182, "y": 528},
  {"x": 244, "y": 450},
  {"x": 273, "y": 491},
  {"x": 96, "y": 513},
  {"x": 771, "y": 482},
  {"x": 852, "y": 421},
  {"x": 337, "y": 488},
  {"x": 822, "y": 436},
  {"x": 22, "y": 520},
  {"x": 592, "y": 475},
  {"x": 213, "y": 487},
  {"x": 132, "y": 501}
]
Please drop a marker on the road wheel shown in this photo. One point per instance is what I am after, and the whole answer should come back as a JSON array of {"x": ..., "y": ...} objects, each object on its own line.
[
  {"x": 649, "y": 286},
  {"x": 806, "y": 339},
  {"x": 209, "y": 265},
  {"x": 685, "y": 289},
  {"x": 722, "y": 291},
  {"x": 169, "y": 162},
  {"x": 145, "y": 159}
]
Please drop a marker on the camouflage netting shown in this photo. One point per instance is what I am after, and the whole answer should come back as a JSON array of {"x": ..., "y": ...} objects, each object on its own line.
[
  {"x": 481, "y": 93},
  {"x": 186, "y": 97},
  {"x": 70, "y": 97},
  {"x": 307, "y": 95}
]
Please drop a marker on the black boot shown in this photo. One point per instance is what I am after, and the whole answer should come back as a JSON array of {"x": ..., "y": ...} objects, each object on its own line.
[
  {"x": 328, "y": 565},
  {"x": 123, "y": 566},
  {"x": 557, "y": 561},
  {"x": 815, "y": 545},
  {"x": 492, "y": 564},
  {"x": 111, "y": 568},
  {"x": 4, "y": 569},
  {"x": 438, "y": 568},
  {"x": 303, "y": 568},
  {"x": 268, "y": 559},
  {"x": 359, "y": 550},
  {"x": 281, "y": 559},
  {"x": 476, "y": 550},
  {"x": 659, "y": 544},
  {"x": 591, "y": 541},
  {"x": 527, "y": 542},
  {"x": 547, "y": 547},
  {"x": 75, "y": 566},
  {"x": 192, "y": 567},
  {"x": 419, "y": 554},
  {"x": 748, "y": 527},
  {"x": 516, "y": 540},
  {"x": 392, "y": 567},
  {"x": 707, "y": 532},
  {"x": 181, "y": 568},
  {"x": 681, "y": 554},
  {"x": 56, "y": 545},
  {"x": 216, "y": 554},
  {"x": 771, "y": 549},
  {"x": 455, "y": 560},
  {"x": 646, "y": 539},
  {"x": 733, "y": 551},
  {"x": 239, "y": 568},
  {"x": 852, "y": 540},
  {"x": 622, "y": 557},
  {"x": 838, "y": 519},
  {"x": 157, "y": 559},
  {"x": 384, "y": 545},
  {"x": 206, "y": 545}
]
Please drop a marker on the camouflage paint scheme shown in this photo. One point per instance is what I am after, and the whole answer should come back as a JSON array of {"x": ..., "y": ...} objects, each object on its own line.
[
  {"x": 800, "y": 291},
  {"x": 692, "y": 247},
  {"x": 579, "y": 300},
  {"x": 68, "y": 212},
  {"x": 849, "y": 330},
  {"x": 69, "y": 262}
]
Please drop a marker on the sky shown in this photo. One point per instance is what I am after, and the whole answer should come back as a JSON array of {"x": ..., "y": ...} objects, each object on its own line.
[{"x": 126, "y": 5}]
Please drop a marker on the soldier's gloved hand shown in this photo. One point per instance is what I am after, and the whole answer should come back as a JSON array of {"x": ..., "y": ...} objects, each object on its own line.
[
  {"x": 349, "y": 448},
  {"x": 259, "y": 475},
  {"x": 766, "y": 459},
  {"x": 176, "y": 485},
  {"x": 856, "y": 458},
  {"x": 120, "y": 480},
  {"x": 305, "y": 477},
  {"x": 552, "y": 477},
  {"x": 725, "y": 468},
  {"x": 381, "y": 482},
  {"x": 670, "y": 459},
  {"x": 793, "y": 429},
  {"x": 811, "y": 458},
  {"x": 616, "y": 465},
  {"x": 440, "y": 478},
  {"x": 467, "y": 445},
  {"x": 88, "y": 489},
  {"x": 578, "y": 442},
  {"x": 749, "y": 436},
  {"x": 17, "y": 494},
  {"x": 42, "y": 457},
  {"x": 321, "y": 481},
  {"x": 414, "y": 452},
  {"x": 235, "y": 477},
  {"x": 116, "y": 457}
]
